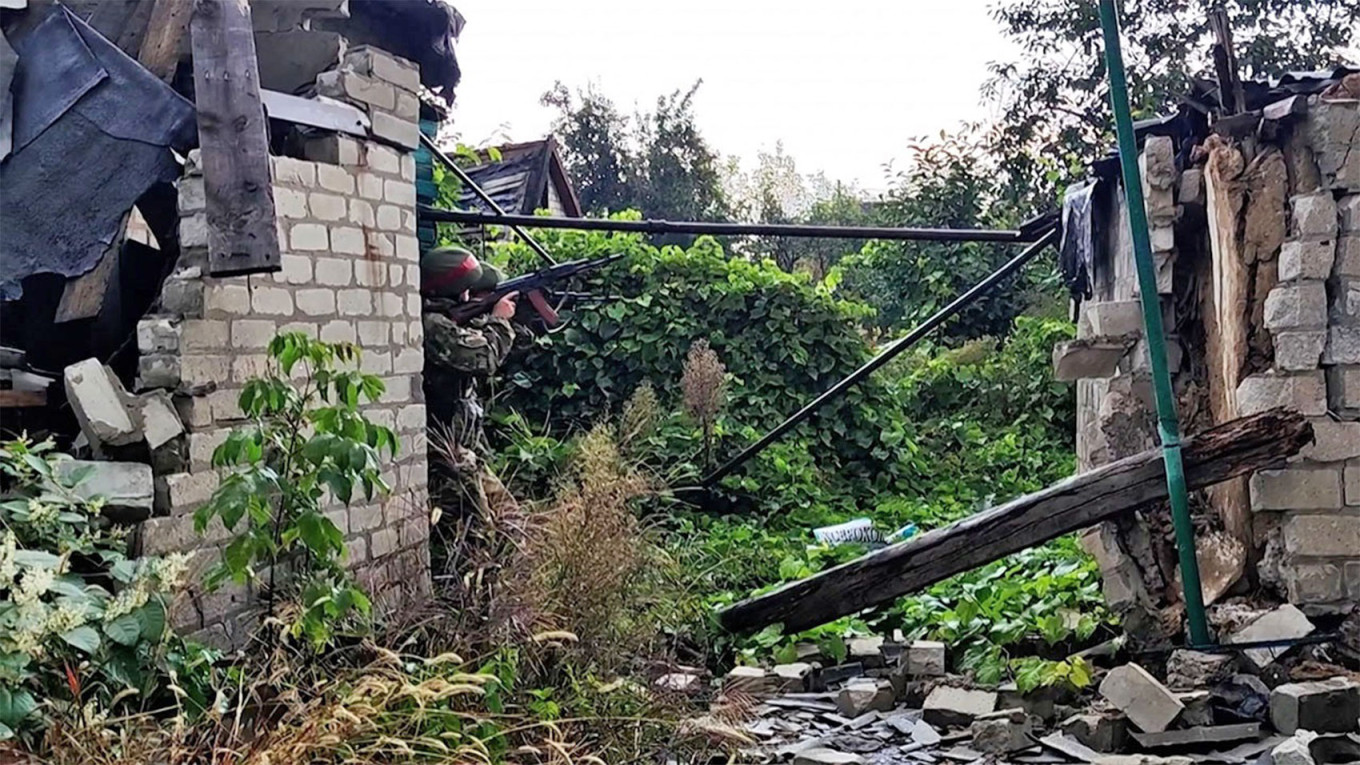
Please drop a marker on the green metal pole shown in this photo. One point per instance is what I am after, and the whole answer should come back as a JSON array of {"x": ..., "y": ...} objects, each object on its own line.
[{"x": 1168, "y": 426}]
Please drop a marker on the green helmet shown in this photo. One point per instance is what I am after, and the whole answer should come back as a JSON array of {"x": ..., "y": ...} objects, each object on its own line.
[{"x": 450, "y": 271}]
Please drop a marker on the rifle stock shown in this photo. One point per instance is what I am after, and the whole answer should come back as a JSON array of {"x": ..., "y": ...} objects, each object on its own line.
[{"x": 535, "y": 286}]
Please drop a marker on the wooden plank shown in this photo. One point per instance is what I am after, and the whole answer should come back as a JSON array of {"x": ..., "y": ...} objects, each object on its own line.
[
  {"x": 242, "y": 238},
  {"x": 16, "y": 399},
  {"x": 164, "y": 38},
  {"x": 83, "y": 296},
  {"x": 1236, "y": 448}
]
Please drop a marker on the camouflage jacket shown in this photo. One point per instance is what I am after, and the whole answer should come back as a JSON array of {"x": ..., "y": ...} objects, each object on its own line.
[{"x": 458, "y": 358}]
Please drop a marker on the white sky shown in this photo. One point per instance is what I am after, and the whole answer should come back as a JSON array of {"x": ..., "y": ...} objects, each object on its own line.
[{"x": 843, "y": 84}]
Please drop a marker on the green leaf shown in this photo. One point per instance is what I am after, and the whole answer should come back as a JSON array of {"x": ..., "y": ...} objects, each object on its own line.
[
  {"x": 124, "y": 630},
  {"x": 152, "y": 618},
  {"x": 83, "y": 638},
  {"x": 15, "y": 705}
]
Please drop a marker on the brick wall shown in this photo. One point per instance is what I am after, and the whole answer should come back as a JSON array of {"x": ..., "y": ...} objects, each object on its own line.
[
  {"x": 1262, "y": 310},
  {"x": 350, "y": 272}
]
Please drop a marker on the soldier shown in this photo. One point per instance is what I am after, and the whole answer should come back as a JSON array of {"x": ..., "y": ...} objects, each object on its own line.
[{"x": 461, "y": 358}]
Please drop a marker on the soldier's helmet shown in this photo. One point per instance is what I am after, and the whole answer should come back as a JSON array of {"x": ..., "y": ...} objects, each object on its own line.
[{"x": 448, "y": 272}]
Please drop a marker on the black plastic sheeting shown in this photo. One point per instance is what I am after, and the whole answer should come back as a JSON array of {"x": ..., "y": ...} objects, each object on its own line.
[
  {"x": 92, "y": 133},
  {"x": 1077, "y": 251}
]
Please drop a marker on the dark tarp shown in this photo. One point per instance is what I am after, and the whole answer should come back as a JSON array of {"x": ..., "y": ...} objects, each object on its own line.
[
  {"x": 1080, "y": 237},
  {"x": 92, "y": 132}
]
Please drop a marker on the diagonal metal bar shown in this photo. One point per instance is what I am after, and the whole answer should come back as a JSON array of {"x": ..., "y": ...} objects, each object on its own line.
[
  {"x": 500, "y": 212},
  {"x": 1049, "y": 237}
]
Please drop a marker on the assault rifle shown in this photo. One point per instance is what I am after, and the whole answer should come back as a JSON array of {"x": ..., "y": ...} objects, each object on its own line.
[{"x": 537, "y": 287}]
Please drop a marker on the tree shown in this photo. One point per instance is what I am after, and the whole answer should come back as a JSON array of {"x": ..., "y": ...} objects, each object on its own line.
[
  {"x": 1052, "y": 99},
  {"x": 657, "y": 162},
  {"x": 951, "y": 184}
]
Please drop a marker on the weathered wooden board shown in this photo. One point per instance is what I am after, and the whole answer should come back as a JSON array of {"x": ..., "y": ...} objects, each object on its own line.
[{"x": 1079, "y": 502}]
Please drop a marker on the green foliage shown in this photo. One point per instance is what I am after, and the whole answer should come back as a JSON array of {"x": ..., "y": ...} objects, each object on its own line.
[
  {"x": 307, "y": 439},
  {"x": 950, "y": 184},
  {"x": 1031, "y": 672},
  {"x": 80, "y": 622},
  {"x": 1052, "y": 97},
  {"x": 782, "y": 339}
]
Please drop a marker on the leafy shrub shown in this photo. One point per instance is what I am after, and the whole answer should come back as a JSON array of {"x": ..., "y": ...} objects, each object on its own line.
[
  {"x": 82, "y": 626},
  {"x": 307, "y": 438}
]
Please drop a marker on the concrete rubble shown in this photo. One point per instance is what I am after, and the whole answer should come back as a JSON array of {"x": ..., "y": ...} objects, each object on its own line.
[{"x": 1184, "y": 707}]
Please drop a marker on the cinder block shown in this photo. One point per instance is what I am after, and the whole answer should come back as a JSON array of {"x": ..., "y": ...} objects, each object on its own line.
[
  {"x": 389, "y": 218},
  {"x": 199, "y": 335},
  {"x": 332, "y": 150},
  {"x": 316, "y": 302},
  {"x": 1301, "y": 305},
  {"x": 409, "y": 360},
  {"x": 400, "y": 192},
  {"x": 334, "y": 178},
  {"x": 370, "y": 273},
  {"x": 308, "y": 237},
  {"x": 201, "y": 370},
  {"x": 296, "y": 269},
  {"x": 327, "y": 207},
  {"x": 389, "y": 127},
  {"x": 272, "y": 300},
  {"x": 1323, "y": 536},
  {"x": 1343, "y": 346},
  {"x": 1348, "y": 211},
  {"x": 333, "y": 272},
  {"x": 290, "y": 203},
  {"x": 389, "y": 305},
  {"x": 372, "y": 333},
  {"x": 376, "y": 363},
  {"x": 1299, "y": 350},
  {"x": 384, "y": 159},
  {"x": 361, "y": 213},
  {"x": 180, "y": 493},
  {"x": 1307, "y": 259},
  {"x": 1313, "y": 582},
  {"x": 158, "y": 334},
  {"x": 378, "y": 63},
  {"x": 1313, "y": 216},
  {"x": 383, "y": 542},
  {"x": 338, "y": 331},
  {"x": 1305, "y": 393},
  {"x": 252, "y": 333},
  {"x": 350, "y": 85},
  {"x": 230, "y": 298},
  {"x": 1315, "y": 488},
  {"x": 295, "y": 172},
  {"x": 347, "y": 240},
  {"x": 354, "y": 302},
  {"x": 1332, "y": 441},
  {"x": 1347, "y": 261},
  {"x": 1352, "y": 479},
  {"x": 408, "y": 248},
  {"x": 371, "y": 186}
]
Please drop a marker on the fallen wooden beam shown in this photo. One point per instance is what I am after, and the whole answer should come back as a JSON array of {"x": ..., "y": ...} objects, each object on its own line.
[{"x": 1235, "y": 448}]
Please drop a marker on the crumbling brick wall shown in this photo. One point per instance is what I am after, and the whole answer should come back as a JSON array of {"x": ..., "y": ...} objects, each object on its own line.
[
  {"x": 350, "y": 272},
  {"x": 1257, "y": 241}
]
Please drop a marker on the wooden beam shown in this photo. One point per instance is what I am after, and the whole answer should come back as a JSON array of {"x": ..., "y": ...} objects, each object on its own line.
[
  {"x": 16, "y": 399},
  {"x": 242, "y": 238},
  {"x": 1236, "y": 448},
  {"x": 165, "y": 37}
]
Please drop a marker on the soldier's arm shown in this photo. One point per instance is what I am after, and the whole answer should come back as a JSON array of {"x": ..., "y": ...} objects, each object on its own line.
[{"x": 474, "y": 350}]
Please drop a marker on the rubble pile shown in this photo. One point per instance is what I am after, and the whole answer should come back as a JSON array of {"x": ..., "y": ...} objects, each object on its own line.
[{"x": 892, "y": 701}]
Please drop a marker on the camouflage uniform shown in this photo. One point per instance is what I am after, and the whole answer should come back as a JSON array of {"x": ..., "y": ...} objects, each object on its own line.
[{"x": 458, "y": 359}]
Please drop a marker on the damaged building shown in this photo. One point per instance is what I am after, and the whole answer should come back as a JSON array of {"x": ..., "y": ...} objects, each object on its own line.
[
  {"x": 1254, "y": 212},
  {"x": 182, "y": 181}
]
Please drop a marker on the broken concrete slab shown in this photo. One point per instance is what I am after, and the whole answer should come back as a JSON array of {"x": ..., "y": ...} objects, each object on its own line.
[
  {"x": 793, "y": 676},
  {"x": 1187, "y": 669},
  {"x": 840, "y": 673},
  {"x": 1003, "y": 732},
  {"x": 1321, "y": 706},
  {"x": 1295, "y": 750},
  {"x": 750, "y": 680},
  {"x": 126, "y": 488},
  {"x": 1135, "y": 692},
  {"x": 824, "y": 756},
  {"x": 1198, "y": 736},
  {"x": 160, "y": 420},
  {"x": 1089, "y": 358},
  {"x": 1284, "y": 623},
  {"x": 1099, "y": 732},
  {"x": 868, "y": 651},
  {"x": 948, "y": 706},
  {"x": 924, "y": 658},
  {"x": 100, "y": 404},
  {"x": 860, "y": 696}
]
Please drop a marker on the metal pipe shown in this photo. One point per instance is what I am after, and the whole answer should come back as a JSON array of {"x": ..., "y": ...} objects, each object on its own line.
[
  {"x": 1047, "y": 237},
  {"x": 486, "y": 199},
  {"x": 1168, "y": 424},
  {"x": 735, "y": 229}
]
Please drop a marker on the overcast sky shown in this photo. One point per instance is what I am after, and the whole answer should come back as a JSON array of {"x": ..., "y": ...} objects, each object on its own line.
[{"x": 843, "y": 84}]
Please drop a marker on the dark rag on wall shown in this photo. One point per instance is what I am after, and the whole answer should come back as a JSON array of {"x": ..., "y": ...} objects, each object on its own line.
[{"x": 92, "y": 131}]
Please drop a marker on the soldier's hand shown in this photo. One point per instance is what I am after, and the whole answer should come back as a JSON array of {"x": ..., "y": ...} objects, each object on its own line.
[{"x": 505, "y": 307}]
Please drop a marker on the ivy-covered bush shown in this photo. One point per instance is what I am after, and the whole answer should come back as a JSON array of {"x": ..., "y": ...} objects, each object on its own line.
[
  {"x": 82, "y": 625},
  {"x": 783, "y": 340}
]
